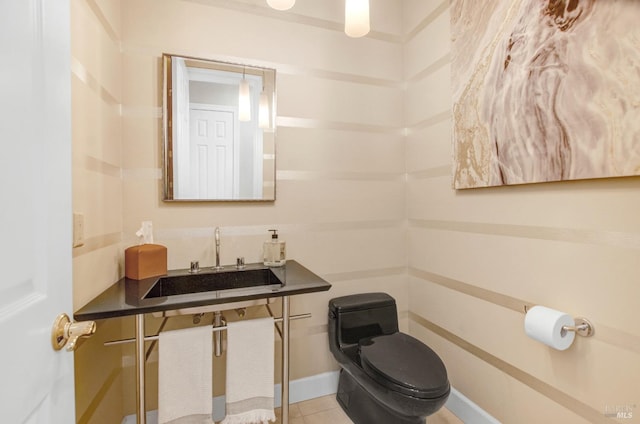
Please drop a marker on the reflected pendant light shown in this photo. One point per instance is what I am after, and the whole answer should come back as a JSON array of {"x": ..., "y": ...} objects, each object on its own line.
[
  {"x": 356, "y": 18},
  {"x": 281, "y": 4},
  {"x": 263, "y": 111},
  {"x": 263, "y": 108},
  {"x": 244, "y": 101}
]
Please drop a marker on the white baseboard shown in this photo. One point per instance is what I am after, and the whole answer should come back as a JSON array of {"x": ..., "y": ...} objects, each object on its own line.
[
  {"x": 468, "y": 412},
  {"x": 302, "y": 389},
  {"x": 327, "y": 384}
]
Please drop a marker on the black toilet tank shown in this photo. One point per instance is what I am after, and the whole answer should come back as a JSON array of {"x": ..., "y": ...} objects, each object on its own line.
[{"x": 359, "y": 316}]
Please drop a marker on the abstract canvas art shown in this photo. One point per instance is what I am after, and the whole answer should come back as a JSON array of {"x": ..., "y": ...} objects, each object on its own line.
[{"x": 544, "y": 90}]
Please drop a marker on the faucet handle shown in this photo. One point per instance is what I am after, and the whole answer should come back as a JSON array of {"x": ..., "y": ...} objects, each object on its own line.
[
  {"x": 195, "y": 267},
  {"x": 240, "y": 262}
]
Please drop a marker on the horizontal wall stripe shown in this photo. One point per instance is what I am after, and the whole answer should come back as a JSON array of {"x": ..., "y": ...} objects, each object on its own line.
[
  {"x": 99, "y": 397},
  {"x": 285, "y": 175},
  {"x": 432, "y": 68},
  {"x": 83, "y": 75},
  {"x": 281, "y": 68},
  {"x": 436, "y": 172},
  {"x": 281, "y": 175},
  {"x": 106, "y": 25},
  {"x": 395, "y": 138},
  {"x": 428, "y": 20},
  {"x": 260, "y": 230},
  {"x": 607, "y": 238},
  {"x": 620, "y": 339},
  {"x": 142, "y": 174},
  {"x": 142, "y": 112},
  {"x": 291, "y": 17},
  {"x": 308, "y": 331},
  {"x": 364, "y": 274},
  {"x": 291, "y": 122},
  {"x": 343, "y": 226},
  {"x": 197, "y": 232},
  {"x": 101, "y": 167},
  {"x": 337, "y": 76},
  {"x": 496, "y": 298},
  {"x": 545, "y": 389},
  {"x": 430, "y": 121},
  {"x": 92, "y": 244}
]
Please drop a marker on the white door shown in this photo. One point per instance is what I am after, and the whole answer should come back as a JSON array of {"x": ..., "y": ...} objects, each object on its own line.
[
  {"x": 212, "y": 152},
  {"x": 35, "y": 214}
]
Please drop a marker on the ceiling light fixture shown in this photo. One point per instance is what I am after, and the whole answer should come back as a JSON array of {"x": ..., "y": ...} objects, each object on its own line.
[
  {"x": 281, "y": 4},
  {"x": 356, "y": 15},
  {"x": 356, "y": 18}
]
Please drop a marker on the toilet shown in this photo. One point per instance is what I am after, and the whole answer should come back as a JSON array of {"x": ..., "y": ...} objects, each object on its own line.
[{"x": 387, "y": 377}]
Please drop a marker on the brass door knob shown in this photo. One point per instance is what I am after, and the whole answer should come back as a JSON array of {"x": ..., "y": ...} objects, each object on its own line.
[{"x": 65, "y": 332}]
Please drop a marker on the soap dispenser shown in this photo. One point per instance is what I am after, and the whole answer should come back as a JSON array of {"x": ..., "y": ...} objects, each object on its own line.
[{"x": 274, "y": 251}]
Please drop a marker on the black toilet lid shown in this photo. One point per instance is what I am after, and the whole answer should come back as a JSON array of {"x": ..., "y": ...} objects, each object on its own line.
[{"x": 404, "y": 364}]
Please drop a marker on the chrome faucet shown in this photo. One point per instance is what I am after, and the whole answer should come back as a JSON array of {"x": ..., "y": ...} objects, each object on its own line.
[{"x": 217, "y": 241}]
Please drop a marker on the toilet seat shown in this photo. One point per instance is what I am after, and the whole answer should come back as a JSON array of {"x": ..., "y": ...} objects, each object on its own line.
[{"x": 403, "y": 364}]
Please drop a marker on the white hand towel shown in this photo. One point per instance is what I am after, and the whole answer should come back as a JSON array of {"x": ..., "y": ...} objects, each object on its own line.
[
  {"x": 250, "y": 357},
  {"x": 184, "y": 376}
]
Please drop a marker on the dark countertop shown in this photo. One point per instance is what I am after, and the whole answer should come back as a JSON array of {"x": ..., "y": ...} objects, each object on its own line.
[{"x": 126, "y": 297}]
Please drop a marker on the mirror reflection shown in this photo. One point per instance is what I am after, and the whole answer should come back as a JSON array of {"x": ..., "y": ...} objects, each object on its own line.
[{"x": 219, "y": 131}]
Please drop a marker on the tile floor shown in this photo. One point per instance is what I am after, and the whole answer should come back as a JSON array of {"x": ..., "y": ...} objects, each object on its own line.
[{"x": 325, "y": 410}]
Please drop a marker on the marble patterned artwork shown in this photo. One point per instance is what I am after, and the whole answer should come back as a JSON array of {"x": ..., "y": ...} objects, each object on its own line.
[{"x": 544, "y": 90}]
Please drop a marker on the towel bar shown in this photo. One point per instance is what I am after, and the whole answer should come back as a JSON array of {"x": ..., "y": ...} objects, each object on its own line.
[
  {"x": 213, "y": 329},
  {"x": 140, "y": 339}
]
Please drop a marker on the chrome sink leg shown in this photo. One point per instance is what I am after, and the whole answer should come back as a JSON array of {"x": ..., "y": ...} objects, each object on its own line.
[
  {"x": 141, "y": 413},
  {"x": 285, "y": 359},
  {"x": 217, "y": 336}
]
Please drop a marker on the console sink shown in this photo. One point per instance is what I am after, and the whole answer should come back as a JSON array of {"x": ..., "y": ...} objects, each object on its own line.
[
  {"x": 212, "y": 281},
  {"x": 129, "y": 297}
]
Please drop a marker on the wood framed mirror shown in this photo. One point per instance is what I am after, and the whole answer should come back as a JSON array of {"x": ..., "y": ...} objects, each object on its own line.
[{"x": 219, "y": 130}]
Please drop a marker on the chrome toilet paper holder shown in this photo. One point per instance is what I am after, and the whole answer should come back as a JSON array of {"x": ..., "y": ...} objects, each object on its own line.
[{"x": 582, "y": 327}]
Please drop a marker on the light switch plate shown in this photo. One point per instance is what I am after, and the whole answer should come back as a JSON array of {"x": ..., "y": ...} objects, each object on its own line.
[{"x": 78, "y": 229}]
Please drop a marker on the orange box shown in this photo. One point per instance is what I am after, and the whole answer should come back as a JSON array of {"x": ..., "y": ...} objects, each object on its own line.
[{"x": 145, "y": 261}]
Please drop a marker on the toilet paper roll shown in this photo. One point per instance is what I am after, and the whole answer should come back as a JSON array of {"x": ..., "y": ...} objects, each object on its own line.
[{"x": 545, "y": 325}]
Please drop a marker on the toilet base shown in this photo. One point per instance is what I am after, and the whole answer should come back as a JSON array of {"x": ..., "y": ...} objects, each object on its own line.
[{"x": 363, "y": 408}]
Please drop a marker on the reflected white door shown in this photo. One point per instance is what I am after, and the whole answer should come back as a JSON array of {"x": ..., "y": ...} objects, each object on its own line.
[
  {"x": 35, "y": 217},
  {"x": 181, "y": 181},
  {"x": 212, "y": 148}
]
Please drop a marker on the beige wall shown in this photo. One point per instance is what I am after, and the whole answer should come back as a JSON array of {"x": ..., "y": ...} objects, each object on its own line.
[
  {"x": 349, "y": 132},
  {"x": 477, "y": 257},
  {"x": 340, "y": 164},
  {"x": 97, "y": 194}
]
